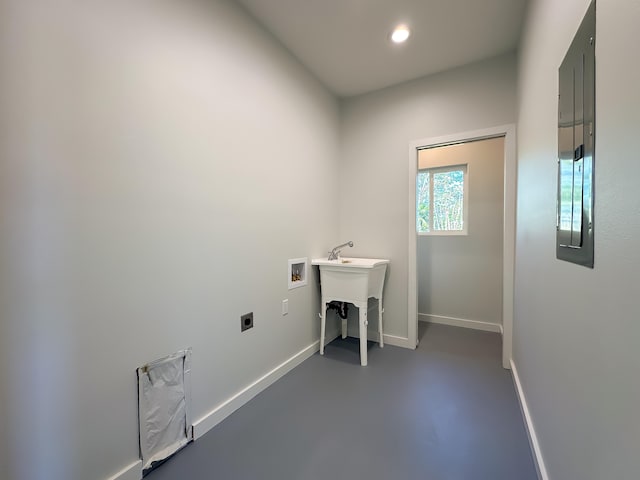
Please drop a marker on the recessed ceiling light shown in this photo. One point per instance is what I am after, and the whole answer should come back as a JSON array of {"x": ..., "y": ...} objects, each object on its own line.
[{"x": 400, "y": 34}]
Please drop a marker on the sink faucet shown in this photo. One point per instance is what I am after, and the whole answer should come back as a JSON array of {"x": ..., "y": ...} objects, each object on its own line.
[{"x": 333, "y": 254}]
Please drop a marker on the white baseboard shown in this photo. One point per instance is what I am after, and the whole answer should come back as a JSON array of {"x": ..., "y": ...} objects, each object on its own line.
[
  {"x": 396, "y": 341},
  {"x": 388, "y": 339},
  {"x": 531, "y": 431},
  {"x": 230, "y": 405},
  {"x": 132, "y": 472},
  {"x": 461, "y": 322}
]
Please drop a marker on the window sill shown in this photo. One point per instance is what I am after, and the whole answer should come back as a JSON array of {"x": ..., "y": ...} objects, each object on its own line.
[{"x": 444, "y": 233}]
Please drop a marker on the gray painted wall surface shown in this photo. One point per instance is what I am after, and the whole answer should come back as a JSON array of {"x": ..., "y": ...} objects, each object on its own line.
[
  {"x": 460, "y": 276},
  {"x": 577, "y": 330},
  {"x": 160, "y": 163},
  {"x": 376, "y": 132}
]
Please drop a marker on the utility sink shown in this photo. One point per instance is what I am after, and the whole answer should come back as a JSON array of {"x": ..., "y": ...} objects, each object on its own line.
[
  {"x": 352, "y": 262},
  {"x": 353, "y": 280}
]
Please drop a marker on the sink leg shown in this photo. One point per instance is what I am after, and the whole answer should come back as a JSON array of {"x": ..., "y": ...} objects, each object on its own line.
[
  {"x": 380, "y": 310},
  {"x": 363, "y": 334},
  {"x": 323, "y": 323},
  {"x": 344, "y": 328}
]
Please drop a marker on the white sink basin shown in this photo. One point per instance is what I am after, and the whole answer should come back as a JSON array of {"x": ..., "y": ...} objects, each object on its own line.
[{"x": 350, "y": 262}]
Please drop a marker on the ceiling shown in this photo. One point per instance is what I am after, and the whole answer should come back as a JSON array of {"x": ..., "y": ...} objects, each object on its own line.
[{"x": 345, "y": 43}]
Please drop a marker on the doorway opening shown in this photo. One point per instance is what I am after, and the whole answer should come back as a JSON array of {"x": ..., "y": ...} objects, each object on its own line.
[{"x": 507, "y": 132}]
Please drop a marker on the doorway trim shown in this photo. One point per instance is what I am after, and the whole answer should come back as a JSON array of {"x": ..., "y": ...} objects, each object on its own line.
[{"x": 508, "y": 233}]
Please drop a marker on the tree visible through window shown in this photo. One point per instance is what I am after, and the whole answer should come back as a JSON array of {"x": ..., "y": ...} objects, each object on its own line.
[{"x": 440, "y": 200}]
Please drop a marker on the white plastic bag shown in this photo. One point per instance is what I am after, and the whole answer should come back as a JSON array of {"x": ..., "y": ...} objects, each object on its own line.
[{"x": 164, "y": 400}]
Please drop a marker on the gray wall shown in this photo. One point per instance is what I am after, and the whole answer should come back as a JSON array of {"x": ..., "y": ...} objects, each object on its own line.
[
  {"x": 377, "y": 129},
  {"x": 161, "y": 161},
  {"x": 460, "y": 276},
  {"x": 577, "y": 330}
]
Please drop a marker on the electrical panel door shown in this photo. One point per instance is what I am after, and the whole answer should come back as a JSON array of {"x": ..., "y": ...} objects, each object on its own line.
[{"x": 576, "y": 142}]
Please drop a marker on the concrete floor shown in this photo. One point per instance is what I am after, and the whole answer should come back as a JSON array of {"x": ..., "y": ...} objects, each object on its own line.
[{"x": 446, "y": 411}]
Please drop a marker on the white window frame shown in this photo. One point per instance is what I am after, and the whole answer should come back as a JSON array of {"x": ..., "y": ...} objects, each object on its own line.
[{"x": 465, "y": 201}]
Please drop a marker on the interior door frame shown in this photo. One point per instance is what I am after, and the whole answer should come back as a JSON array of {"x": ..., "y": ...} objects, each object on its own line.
[{"x": 508, "y": 234}]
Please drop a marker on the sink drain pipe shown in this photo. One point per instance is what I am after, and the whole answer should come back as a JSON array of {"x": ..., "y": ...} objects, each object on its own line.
[{"x": 341, "y": 307}]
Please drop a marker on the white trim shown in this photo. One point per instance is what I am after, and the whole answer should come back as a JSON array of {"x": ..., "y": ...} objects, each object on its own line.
[
  {"x": 443, "y": 233},
  {"x": 388, "y": 339},
  {"x": 412, "y": 265},
  {"x": 373, "y": 336},
  {"x": 508, "y": 254},
  {"x": 396, "y": 341},
  {"x": 461, "y": 322},
  {"x": 305, "y": 269},
  {"x": 531, "y": 431},
  {"x": 132, "y": 472},
  {"x": 234, "y": 402},
  {"x": 509, "y": 243}
]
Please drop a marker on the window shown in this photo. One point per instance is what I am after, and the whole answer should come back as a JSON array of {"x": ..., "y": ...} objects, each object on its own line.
[{"x": 441, "y": 201}]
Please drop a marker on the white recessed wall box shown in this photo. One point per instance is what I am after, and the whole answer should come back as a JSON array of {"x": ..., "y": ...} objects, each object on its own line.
[{"x": 297, "y": 272}]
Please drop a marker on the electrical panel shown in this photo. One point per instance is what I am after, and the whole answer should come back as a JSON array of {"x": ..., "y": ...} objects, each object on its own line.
[{"x": 576, "y": 142}]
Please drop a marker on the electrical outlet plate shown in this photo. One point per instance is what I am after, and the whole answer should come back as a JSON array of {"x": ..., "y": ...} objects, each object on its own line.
[
  {"x": 285, "y": 306},
  {"x": 246, "y": 321}
]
